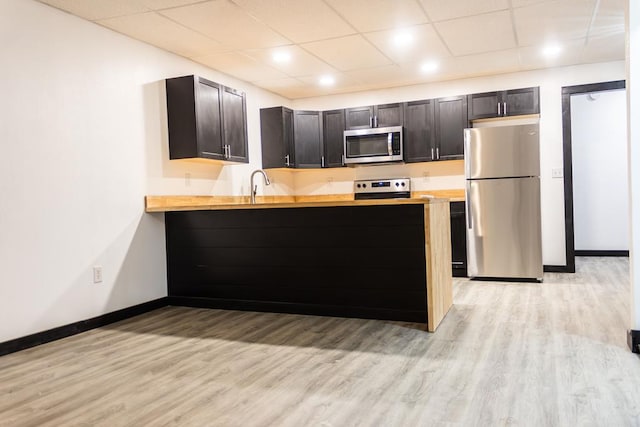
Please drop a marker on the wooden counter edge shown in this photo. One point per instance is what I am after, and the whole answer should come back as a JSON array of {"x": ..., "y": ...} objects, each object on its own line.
[
  {"x": 168, "y": 203},
  {"x": 437, "y": 231},
  {"x": 176, "y": 203}
]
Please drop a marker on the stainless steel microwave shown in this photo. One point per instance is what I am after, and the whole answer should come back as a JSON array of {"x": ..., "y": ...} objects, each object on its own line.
[{"x": 375, "y": 145}]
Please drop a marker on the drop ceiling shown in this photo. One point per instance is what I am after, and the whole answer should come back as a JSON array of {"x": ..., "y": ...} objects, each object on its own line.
[{"x": 366, "y": 44}]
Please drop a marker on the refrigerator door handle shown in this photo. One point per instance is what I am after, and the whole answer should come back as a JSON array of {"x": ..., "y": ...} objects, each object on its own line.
[{"x": 469, "y": 211}]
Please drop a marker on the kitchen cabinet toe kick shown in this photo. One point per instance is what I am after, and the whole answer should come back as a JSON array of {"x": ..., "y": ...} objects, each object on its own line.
[{"x": 387, "y": 261}]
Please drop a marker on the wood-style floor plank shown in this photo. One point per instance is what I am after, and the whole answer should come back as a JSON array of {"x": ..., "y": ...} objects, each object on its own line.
[{"x": 517, "y": 354}]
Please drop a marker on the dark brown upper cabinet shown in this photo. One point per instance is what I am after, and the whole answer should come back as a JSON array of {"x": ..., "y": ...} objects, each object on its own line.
[
  {"x": 450, "y": 121},
  {"x": 333, "y": 127},
  {"x": 374, "y": 116},
  {"x": 276, "y": 133},
  {"x": 307, "y": 139},
  {"x": 419, "y": 131},
  {"x": 206, "y": 120},
  {"x": 505, "y": 103},
  {"x": 234, "y": 125},
  {"x": 301, "y": 139}
]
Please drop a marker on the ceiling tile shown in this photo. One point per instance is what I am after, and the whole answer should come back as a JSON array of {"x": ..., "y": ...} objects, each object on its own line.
[
  {"x": 609, "y": 19},
  {"x": 498, "y": 62},
  {"x": 240, "y": 66},
  {"x": 391, "y": 75},
  {"x": 299, "y": 21},
  {"x": 521, "y": 3},
  {"x": 477, "y": 34},
  {"x": 374, "y": 15},
  {"x": 531, "y": 57},
  {"x": 347, "y": 53},
  {"x": 99, "y": 9},
  {"x": 425, "y": 44},
  {"x": 227, "y": 23},
  {"x": 553, "y": 21},
  {"x": 343, "y": 83},
  {"x": 439, "y": 10},
  {"x": 165, "y": 4},
  {"x": 604, "y": 48},
  {"x": 164, "y": 33},
  {"x": 302, "y": 63},
  {"x": 288, "y": 87}
]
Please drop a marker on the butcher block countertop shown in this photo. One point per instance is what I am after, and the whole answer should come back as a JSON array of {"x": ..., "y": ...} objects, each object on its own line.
[{"x": 190, "y": 203}]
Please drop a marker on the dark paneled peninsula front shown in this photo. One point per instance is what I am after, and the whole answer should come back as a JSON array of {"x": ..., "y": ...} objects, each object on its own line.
[{"x": 349, "y": 259}]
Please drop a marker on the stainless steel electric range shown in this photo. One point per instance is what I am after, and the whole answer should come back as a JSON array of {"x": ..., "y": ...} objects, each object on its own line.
[{"x": 394, "y": 188}]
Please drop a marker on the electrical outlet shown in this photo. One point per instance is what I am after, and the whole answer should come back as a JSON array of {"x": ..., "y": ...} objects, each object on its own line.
[
  {"x": 97, "y": 274},
  {"x": 556, "y": 173}
]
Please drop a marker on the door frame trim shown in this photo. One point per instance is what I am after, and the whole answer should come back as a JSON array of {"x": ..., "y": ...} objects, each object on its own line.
[{"x": 567, "y": 91}]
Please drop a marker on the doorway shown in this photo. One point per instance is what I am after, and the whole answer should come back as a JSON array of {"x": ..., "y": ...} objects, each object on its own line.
[{"x": 596, "y": 201}]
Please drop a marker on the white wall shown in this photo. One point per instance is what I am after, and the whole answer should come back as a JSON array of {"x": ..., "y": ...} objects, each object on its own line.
[
  {"x": 550, "y": 81},
  {"x": 83, "y": 134},
  {"x": 599, "y": 163},
  {"x": 633, "y": 111}
]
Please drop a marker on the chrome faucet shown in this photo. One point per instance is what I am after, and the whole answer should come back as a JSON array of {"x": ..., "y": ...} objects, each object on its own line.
[{"x": 254, "y": 188}]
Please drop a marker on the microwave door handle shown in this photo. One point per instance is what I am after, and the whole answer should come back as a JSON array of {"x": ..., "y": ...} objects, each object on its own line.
[{"x": 390, "y": 143}]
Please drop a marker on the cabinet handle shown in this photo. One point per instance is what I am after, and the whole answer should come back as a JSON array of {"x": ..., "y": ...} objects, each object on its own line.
[
  {"x": 322, "y": 161},
  {"x": 370, "y": 121},
  {"x": 504, "y": 108},
  {"x": 438, "y": 153},
  {"x": 375, "y": 121},
  {"x": 432, "y": 157},
  {"x": 286, "y": 160},
  {"x": 343, "y": 160},
  {"x": 499, "y": 109},
  {"x": 228, "y": 151}
]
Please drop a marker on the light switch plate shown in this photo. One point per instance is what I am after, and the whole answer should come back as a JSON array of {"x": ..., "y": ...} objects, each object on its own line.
[{"x": 556, "y": 173}]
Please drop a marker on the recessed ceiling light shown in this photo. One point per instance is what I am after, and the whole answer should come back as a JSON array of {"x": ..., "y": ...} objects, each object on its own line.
[
  {"x": 429, "y": 67},
  {"x": 403, "y": 38},
  {"x": 326, "y": 81},
  {"x": 281, "y": 57},
  {"x": 551, "y": 50}
]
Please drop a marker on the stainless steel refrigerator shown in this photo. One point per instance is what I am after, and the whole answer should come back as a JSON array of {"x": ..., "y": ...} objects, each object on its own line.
[{"x": 502, "y": 170}]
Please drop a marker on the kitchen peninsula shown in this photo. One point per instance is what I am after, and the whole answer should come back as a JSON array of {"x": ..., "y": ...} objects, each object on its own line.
[{"x": 385, "y": 259}]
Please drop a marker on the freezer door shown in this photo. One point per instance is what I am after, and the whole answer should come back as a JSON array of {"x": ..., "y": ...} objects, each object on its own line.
[
  {"x": 501, "y": 152},
  {"x": 503, "y": 228}
]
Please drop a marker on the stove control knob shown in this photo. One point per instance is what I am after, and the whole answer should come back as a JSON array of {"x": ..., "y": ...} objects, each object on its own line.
[
  {"x": 397, "y": 184},
  {"x": 358, "y": 185},
  {"x": 364, "y": 185},
  {"x": 403, "y": 184}
]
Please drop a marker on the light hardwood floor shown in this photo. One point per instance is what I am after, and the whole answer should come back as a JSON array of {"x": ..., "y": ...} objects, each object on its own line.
[{"x": 550, "y": 354}]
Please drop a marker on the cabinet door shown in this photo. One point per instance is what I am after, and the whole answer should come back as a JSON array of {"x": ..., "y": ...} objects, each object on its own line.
[
  {"x": 419, "y": 131},
  {"x": 333, "y": 126},
  {"x": 387, "y": 115},
  {"x": 359, "y": 117},
  {"x": 289, "y": 156},
  {"x": 234, "y": 125},
  {"x": 276, "y": 133},
  {"x": 208, "y": 119},
  {"x": 458, "y": 239},
  {"x": 522, "y": 101},
  {"x": 307, "y": 137},
  {"x": 451, "y": 120},
  {"x": 484, "y": 105}
]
